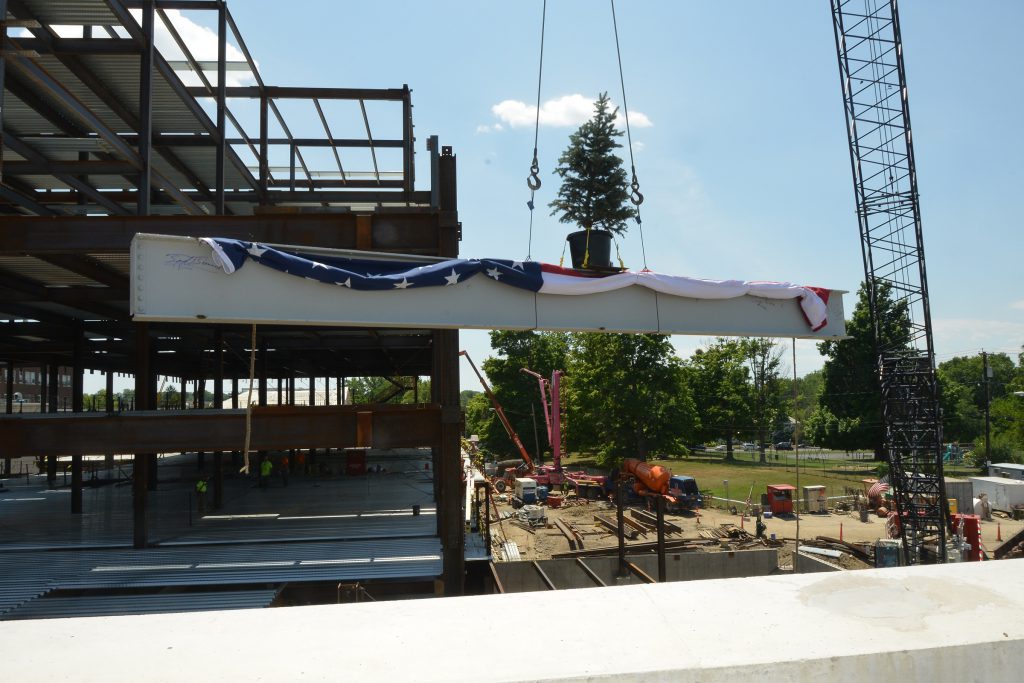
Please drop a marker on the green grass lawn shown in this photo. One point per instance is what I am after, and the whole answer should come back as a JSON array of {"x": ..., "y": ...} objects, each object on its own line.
[{"x": 745, "y": 472}]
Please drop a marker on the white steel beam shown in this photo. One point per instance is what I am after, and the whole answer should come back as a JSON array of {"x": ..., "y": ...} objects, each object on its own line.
[{"x": 175, "y": 279}]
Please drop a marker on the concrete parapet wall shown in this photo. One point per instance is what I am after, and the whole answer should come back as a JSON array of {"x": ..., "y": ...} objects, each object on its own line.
[{"x": 936, "y": 623}]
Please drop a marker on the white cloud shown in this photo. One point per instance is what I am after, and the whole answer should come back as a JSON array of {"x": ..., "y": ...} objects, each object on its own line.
[
  {"x": 1019, "y": 305},
  {"x": 484, "y": 128},
  {"x": 202, "y": 43},
  {"x": 565, "y": 111},
  {"x": 638, "y": 146}
]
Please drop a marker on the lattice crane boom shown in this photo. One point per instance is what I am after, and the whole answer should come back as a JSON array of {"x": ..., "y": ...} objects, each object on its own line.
[{"x": 870, "y": 51}]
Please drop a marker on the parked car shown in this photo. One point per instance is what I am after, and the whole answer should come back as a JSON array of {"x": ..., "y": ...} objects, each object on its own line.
[
  {"x": 784, "y": 446},
  {"x": 720, "y": 447},
  {"x": 749, "y": 446}
]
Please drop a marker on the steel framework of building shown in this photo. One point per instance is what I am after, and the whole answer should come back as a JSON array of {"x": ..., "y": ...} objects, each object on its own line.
[
  {"x": 870, "y": 51},
  {"x": 105, "y": 136}
]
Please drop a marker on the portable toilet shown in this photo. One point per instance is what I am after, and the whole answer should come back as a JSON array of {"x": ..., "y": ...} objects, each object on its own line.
[
  {"x": 815, "y": 499},
  {"x": 780, "y": 498},
  {"x": 526, "y": 490}
]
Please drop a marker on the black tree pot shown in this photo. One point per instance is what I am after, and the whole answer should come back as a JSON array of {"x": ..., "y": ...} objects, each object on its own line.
[{"x": 600, "y": 248}]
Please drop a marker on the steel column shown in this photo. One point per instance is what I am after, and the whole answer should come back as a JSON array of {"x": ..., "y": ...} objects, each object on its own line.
[
  {"x": 44, "y": 387},
  {"x": 218, "y": 402},
  {"x": 261, "y": 373},
  {"x": 140, "y": 491},
  {"x": 3, "y": 75},
  {"x": 108, "y": 458},
  {"x": 53, "y": 397},
  {"x": 77, "y": 406},
  {"x": 146, "y": 107},
  {"x": 448, "y": 460},
  {"x": 264, "y": 163},
  {"x": 9, "y": 403},
  {"x": 222, "y": 132},
  {"x": 44, "y": 404}
]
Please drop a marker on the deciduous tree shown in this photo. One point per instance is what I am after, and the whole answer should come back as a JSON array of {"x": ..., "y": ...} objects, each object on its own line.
[
  {"x": 628, "y": 397},
  {"x": 719, "y": 380}
]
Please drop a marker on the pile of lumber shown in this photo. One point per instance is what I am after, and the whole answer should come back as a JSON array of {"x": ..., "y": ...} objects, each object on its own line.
[
  {"x": 864, "y": 553},
  {"x": 727, "y": 531}
]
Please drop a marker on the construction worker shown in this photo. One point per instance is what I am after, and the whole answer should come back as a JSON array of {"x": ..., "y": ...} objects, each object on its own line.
[
  {"x": 201, "y": 486},
  {"x": 266, "y": 468},
  {"x": 283, "y": 468}
]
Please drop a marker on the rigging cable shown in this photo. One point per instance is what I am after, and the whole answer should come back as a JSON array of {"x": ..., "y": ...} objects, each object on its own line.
[
  {"x": 533, "y": 180},
  {"x": 635, "y": 195}
]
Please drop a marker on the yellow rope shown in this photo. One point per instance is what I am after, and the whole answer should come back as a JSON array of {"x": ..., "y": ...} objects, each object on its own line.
[{"x": 248, "y": 402}]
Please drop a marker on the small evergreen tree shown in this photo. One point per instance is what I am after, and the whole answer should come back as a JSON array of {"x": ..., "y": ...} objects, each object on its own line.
[{"x": 594, "y": 191}]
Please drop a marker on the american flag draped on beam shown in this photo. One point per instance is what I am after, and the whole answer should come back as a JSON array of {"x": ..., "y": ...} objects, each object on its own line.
[{"x": 542, "y": 278}]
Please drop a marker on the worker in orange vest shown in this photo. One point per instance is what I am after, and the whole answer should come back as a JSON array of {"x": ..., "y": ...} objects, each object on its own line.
[{"x": 283, "y": 468}]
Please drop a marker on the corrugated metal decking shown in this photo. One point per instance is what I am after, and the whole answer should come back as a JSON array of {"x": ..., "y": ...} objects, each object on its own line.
[{"x": 161, "y": 603}]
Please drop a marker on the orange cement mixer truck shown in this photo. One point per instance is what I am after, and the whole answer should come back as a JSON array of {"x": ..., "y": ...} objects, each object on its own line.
[{"x": 679, "y": 491}]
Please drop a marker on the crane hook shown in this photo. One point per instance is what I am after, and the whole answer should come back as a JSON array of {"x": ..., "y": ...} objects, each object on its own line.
[
  {"x": 533, "y": 180},
  {"x": 635, "y": 195}
]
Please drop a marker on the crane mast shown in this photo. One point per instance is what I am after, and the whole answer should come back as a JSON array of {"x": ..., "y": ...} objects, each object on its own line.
[{"x": 870, "y": 52}]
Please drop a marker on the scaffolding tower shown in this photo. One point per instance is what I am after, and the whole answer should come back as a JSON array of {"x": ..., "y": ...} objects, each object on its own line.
[{"x": 870, "y": 51}]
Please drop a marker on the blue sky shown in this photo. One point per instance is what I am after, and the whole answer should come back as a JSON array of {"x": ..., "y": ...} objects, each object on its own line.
[{"x": 744, "y": 165}]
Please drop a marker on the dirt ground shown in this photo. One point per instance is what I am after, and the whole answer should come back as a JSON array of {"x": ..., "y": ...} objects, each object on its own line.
[{"x": 545, "y": 541}]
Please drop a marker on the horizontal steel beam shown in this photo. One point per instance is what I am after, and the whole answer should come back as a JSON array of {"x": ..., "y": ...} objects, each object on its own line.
[
  {"x": 76, "y": 46},
  {"x": 272, "y": 428},
  {"x": 67, "y": 296},
  {"x": 400, "y": 232},
  {"x": 161, "y": 140},
  {"x": 365, "y": 194},
  {"x": 183, "y": 5},
  {"x": 296, "y": 93},
  {"x": 47, "y": 167}
]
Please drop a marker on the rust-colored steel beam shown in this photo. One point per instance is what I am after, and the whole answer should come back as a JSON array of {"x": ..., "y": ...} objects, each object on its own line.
[
  {"x": 408, "y": 232},
  {"x": 273, "y": 428}
]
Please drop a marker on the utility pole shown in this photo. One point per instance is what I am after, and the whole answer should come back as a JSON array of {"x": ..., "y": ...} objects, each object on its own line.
[{"x": 987, "y": 379}]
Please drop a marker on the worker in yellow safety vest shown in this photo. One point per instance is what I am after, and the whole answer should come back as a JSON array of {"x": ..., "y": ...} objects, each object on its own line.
[
  {"x": 266, "y": 468},
  {"x": 201, "y": 494}
]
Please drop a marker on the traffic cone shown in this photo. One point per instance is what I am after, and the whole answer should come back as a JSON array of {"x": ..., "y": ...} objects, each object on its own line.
[
  {"x": 999, "y": 532},
  {"x": 840, "y": 531}
]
